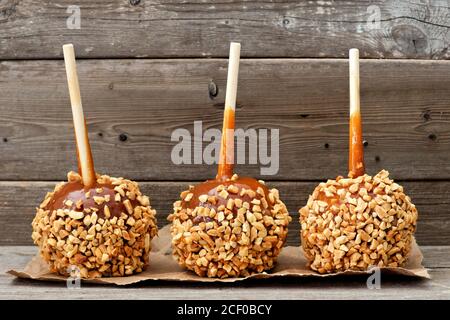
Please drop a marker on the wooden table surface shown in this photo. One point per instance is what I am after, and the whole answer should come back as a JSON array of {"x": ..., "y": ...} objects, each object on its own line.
[{"x": 436, "y": 259}]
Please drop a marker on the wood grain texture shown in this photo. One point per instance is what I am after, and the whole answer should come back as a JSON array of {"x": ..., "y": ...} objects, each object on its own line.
[
  {"x": 325, "y": 288},
  {"x": 18, "y": 200},
  {"x": 33, "y": 29},
  {"x": 133, "y": 106}
]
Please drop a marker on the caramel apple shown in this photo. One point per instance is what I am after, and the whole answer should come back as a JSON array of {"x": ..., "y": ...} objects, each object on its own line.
[
  {"x": 101, "y": 225},
  {"x": 231, "y": 226},
  {"x": 361, "y": 221}
]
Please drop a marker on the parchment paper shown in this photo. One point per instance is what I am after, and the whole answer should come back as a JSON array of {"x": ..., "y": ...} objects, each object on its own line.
[{"x": 291, "y": 263}]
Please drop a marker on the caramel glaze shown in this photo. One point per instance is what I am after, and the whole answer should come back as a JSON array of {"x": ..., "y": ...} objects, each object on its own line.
[
  {"x": 330, "y": 200},
  {"x": 76, "y": 191},
  {"x": 356, "y": 149},
  {"x": 226, "y": 159},
  {"x": 209, "y": 187}
]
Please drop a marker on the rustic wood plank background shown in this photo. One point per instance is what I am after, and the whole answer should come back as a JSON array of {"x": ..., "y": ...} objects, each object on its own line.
[
  {"x": 117, "y": 28},
  {"x": 404, "y": 104},
  {"x": 149, "y": 68}
]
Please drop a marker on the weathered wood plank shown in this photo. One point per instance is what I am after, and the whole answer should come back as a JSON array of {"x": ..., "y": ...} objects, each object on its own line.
[
  {"x": 18, "y": 200},
  {"x": 115, "y": 28},
  {"x": 405, "y": 112},
  {"x": 324, "y": 288}
]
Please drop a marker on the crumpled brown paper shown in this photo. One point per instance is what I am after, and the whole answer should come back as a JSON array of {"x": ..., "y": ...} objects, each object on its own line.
[{"x": 291, "y": 263}]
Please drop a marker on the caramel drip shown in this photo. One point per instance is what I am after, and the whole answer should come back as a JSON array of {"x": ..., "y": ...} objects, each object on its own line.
[
  {"x": 226, "y": 160},
  {"x": 76, "y": 191},
  {"x": 356, "y": 150}
]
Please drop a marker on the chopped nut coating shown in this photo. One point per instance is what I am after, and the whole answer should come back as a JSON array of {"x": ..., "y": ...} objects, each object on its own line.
[
  {"x": 352, "y": 224},
  {"x": 232, "y": 231}
]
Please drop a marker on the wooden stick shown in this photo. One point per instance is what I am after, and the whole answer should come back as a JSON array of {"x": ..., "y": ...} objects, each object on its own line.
[
  {"x": 226, "y": 161},
  {"x": 85, "y": 162},
  {"x": 356, "y": 149}
]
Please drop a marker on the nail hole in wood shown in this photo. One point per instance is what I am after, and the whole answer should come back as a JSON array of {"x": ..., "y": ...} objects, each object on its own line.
[
  {"x": 304, "y": 116},
  {"x": 123, "y": 137},
  {"x": 432, "y": 137},
  {"x": 100, "y": 134},
  {"x": 365, "y": 143},
  {"x": 377, "y": 159},
  {"x": 5, "y": 140},
  {"x": 326, "y": 145},
  {"x": 213, "y": 90}
]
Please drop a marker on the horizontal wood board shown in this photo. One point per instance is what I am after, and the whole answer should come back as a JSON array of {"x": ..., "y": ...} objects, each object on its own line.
[
  {"x": 35, "y": 29},
  {"x": 133, "y": 106}
]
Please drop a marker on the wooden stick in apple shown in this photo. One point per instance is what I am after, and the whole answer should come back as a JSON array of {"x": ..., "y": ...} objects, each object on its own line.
[
  {"x": 226, "y": 161},
  {"x": 356, "y": 150},
  {"x": 85, "y": 162}
]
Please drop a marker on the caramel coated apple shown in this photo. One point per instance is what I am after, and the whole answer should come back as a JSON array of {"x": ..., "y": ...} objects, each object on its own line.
[
  {"x": 229, "y": 227},
  {"x": 356, "y": 223},
  {"x": 103, "y": 230}
]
